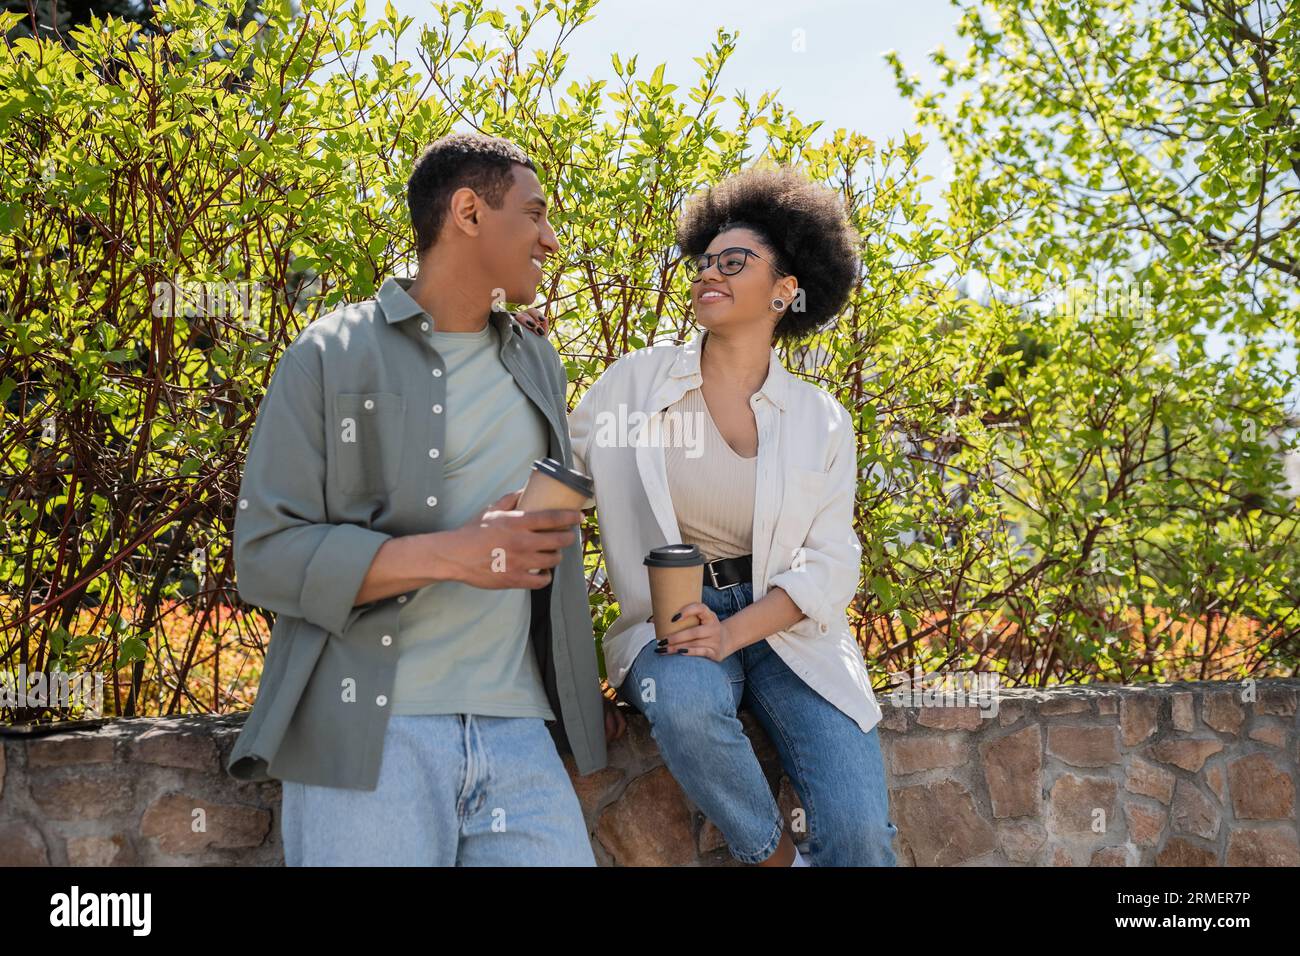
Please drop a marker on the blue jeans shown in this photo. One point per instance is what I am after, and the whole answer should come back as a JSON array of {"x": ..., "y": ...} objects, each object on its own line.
[
  {"x": 837, "y": 770},
  {"x": 454, "y": 789}
]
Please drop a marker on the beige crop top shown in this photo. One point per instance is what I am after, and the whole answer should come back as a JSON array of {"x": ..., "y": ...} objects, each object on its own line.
[{"x": 712, "y": 487}]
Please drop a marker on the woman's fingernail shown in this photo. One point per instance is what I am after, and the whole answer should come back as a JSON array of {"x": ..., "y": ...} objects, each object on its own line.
[
  {"x": 661, "y": 650},
  {"x": 662, "y": 642},
  {"x": 677, "y": 615},
  {"x": 682, "y": 651}
]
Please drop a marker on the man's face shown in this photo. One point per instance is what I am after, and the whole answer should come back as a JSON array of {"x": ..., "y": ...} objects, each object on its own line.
[{"x": 517, "y": 239}]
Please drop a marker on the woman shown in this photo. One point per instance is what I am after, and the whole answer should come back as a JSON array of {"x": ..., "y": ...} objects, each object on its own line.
[{"x": 762, "y": 477}]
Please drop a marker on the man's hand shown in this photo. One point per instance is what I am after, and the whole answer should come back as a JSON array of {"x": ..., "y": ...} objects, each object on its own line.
[
  {"x": 507, "y": 502},
  {"x": 497, "y": 549},
  {"x": 615, "y": 725}
]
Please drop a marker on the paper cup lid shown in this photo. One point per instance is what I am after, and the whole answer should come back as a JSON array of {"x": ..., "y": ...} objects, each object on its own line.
[
  {"x": 574, "y": 479},
  {"x": 674, "y": 556}
]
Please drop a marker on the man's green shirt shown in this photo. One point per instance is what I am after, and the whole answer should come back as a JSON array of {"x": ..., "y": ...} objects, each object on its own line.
[{"x": 341, "y": 459}]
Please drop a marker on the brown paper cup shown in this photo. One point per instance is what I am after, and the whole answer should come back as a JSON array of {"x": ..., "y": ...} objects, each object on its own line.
[
  {"x": 551, "y": 485},
  {"x": 676, "y": 579}
]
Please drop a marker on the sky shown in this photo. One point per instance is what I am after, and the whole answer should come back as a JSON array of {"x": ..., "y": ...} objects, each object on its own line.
[
  {"x": 824, "y": 58},
  {"x": 838, "y": 76}
]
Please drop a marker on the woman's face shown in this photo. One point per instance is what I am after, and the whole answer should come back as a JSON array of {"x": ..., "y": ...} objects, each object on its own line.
[{"x": 721, "y": 300}]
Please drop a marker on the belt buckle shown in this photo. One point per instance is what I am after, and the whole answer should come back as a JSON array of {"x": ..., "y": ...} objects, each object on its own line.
[{"x": 714, "y": 576}]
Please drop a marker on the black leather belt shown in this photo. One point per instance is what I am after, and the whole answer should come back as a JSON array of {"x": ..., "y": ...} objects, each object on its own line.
[{"x": 729, "y": 572}]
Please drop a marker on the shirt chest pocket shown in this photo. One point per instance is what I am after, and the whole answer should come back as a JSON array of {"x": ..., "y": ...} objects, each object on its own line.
[
  {"x": 800, "y": 503},
  {"x": 367, "y": 441}
]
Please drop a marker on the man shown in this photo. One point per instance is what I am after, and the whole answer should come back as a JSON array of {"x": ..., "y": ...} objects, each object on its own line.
[{"x": 416, "y": 662}]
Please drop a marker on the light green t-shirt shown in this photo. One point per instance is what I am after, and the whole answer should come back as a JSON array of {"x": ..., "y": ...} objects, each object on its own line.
[{"x": 462, "y": 649}]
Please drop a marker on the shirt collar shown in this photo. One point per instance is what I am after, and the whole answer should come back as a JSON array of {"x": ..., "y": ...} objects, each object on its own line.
[
  {"x": 775, "y": 387},
  {"x": 397, "y": 305}
]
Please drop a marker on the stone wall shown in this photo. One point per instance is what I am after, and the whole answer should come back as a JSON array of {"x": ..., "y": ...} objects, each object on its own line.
[{"x": 1171, "y": 775}]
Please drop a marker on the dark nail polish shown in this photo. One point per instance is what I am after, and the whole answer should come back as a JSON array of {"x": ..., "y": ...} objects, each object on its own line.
[
  {"x": 662, "y": 642},
  {"x": 677, "y": 615},
  {"x": 682, "y": 651},
  {"x": 661, "y": 650}
]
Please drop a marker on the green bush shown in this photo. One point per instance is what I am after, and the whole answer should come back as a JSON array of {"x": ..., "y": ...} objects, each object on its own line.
[{"x": 1029, "y": 476}]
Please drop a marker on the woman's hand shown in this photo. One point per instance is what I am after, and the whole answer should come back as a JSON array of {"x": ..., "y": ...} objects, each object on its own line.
[
  {"x": 533, "y": 321},
  {"x": 710, "y": 638}
]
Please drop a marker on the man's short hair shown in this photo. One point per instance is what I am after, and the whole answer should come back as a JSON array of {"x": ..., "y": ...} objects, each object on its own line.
[{"x": 483, "y": 163}]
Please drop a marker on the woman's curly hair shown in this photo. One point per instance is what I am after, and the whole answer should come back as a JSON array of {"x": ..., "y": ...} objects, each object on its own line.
[{"x": 804, "y": 224}]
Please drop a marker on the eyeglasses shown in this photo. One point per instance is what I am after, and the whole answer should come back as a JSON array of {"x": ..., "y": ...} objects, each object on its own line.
[{"x": 730, "y": 261}]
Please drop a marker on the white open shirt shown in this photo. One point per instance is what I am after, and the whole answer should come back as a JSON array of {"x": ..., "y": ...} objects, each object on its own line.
[{"x": 805, "y": 487}]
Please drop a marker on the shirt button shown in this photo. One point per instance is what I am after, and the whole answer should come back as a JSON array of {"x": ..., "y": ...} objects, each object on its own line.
[
  {"x": 431, "y": 501},
  {"x": 424, "y": 326},
  {"x": 433, "y": 453},
  {"x": 824, "y": 628},
  {"x": 243, "y": 502},
  {"x": 381, "y": 700},
  {"x": 437, "y": 373},
  {"x": 437, "y": 409},
  {"x": 402, "y": 599},
  {"x": 386, "y": 639},
  {"x": 370, "y": 403}
]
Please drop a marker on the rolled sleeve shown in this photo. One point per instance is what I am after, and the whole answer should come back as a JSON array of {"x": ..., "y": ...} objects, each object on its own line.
[
  {"x": 828, "y": 566},
  {"x": 288, "y": 558}
]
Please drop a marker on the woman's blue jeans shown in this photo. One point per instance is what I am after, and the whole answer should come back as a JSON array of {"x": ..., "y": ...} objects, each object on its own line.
[{"x": 837, "y": 770}]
